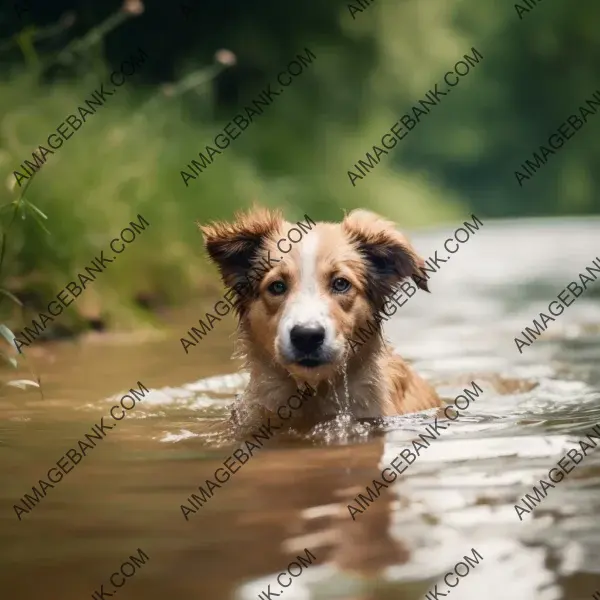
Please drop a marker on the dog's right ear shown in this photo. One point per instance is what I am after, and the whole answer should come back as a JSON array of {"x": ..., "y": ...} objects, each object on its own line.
[{"x": 234, "y": 246}]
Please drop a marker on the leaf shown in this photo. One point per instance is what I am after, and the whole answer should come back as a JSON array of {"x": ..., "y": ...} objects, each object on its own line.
[
  {"x": 8, "y": 205},
  {"x": 37, "y": 219},
  {"x": 37, "y": 210},
  {"x": 9, "y": 359},
  {"x": 24, "y": 188},
  {"x": 8, "y": 335},
  {"x": 23, "y": 383},
  {"x": 11, "y": 296}
]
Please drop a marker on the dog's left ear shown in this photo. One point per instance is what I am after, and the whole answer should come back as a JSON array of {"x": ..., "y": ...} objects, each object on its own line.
[
  {"x": 390, "y": 256},
  {"x": 234, "y": 246}
]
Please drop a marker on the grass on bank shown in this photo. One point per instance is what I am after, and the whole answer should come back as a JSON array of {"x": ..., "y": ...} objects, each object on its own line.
[{"x": 126, "y": 160}]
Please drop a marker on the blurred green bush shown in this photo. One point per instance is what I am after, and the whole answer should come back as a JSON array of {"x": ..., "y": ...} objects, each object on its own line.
[{"x": 126, "y": 159}]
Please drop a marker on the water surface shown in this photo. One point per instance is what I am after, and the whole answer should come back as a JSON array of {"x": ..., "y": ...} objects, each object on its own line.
[{"x": 459, "y": 495}]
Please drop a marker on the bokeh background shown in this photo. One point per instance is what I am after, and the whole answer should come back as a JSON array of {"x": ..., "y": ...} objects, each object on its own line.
[
  {"x": 370, "y": 68},
  {"x": 205, "y": 62}
]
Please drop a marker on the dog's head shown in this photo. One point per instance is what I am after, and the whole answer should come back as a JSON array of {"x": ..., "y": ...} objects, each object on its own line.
[{"x": 305, "y": 288}]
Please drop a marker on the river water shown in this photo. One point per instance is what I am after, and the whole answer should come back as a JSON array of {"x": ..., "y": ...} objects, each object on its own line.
[{"x": 458, "y": 496}]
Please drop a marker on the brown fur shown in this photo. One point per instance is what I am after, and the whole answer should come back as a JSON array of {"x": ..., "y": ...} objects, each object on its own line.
[{"x": 364, "y": 249}]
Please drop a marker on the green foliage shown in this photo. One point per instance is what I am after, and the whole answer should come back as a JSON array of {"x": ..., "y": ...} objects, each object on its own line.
[
  {"x": 19, "y": 207},
  {"x": 126, "y": 159}
]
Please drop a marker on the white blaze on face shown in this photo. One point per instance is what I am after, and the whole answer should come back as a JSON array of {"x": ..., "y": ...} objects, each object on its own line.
[{"x": 306, "y": 306}]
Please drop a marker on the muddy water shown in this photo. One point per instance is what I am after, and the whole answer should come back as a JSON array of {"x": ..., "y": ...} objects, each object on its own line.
[{"x": 457, "y": 496}]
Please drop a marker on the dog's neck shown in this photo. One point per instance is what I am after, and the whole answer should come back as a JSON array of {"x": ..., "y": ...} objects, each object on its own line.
[{"x": 360, "y": 389}]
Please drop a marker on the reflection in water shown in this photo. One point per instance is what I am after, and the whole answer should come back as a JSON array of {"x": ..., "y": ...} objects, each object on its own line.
[{"x": 294, "y": 493}]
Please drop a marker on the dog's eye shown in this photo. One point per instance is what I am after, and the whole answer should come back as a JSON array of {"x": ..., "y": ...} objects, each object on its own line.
[
  {"x": 277, "y": 288},
  {"x": 340, "y": 285}
]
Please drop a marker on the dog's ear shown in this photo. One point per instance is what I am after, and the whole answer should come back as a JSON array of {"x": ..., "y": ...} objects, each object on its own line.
[
  {"x": 234, "y": 246},
  {"x": 389, "y": 255}
]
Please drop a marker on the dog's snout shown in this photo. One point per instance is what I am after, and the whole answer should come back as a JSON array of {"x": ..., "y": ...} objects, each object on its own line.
[{"x": 307, "y": 338}]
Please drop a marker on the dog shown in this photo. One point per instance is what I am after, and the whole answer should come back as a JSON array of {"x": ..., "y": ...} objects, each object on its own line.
[{"x": 299, "y": 318}]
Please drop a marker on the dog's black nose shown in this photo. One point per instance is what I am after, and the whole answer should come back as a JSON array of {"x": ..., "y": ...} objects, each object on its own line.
[{"x": 307, "y": 338}]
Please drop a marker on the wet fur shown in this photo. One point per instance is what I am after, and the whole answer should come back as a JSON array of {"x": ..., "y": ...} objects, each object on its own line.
[{"x": 375, "y": 258}]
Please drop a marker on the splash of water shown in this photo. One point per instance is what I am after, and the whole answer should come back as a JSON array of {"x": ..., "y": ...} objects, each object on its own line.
[{"x": 343, "y": 428}]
